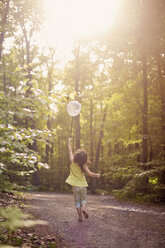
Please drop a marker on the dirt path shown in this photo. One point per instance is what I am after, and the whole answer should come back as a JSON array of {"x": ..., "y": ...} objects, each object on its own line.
[{"x": 112, "y": 224}]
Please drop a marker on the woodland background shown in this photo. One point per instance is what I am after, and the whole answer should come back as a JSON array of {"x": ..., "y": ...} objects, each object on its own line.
[{"x": 119, "y": 79}]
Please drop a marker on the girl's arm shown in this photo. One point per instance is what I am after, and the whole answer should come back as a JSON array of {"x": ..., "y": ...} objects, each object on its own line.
[
  {"x": 90, "y": 173},
  {"x": 71, "y": 157}
]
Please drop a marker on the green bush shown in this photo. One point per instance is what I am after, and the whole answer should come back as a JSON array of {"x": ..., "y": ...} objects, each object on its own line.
[{"x": 146, "y": 186}]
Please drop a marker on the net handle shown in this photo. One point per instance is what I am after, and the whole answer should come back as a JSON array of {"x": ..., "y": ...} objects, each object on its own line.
[{"x": 71, "y": 128}]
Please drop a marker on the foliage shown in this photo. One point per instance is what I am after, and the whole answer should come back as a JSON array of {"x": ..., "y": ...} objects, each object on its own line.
[
  {"x": 147, "y": 185},
  {"x": 18, "y": 161},
  {"x": 13, "y": 218}
]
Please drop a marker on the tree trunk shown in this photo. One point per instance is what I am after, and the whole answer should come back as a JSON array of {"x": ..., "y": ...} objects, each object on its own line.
[
  {"x": 4, "y": 20},
  {"x": 145, "y": 111},
  {"x": 91, "y": 131},
  {"x": 77, "y": 79},
  {"x": 49, "y": 122},
  {"x": 77, "y": 121},
  {"x": 4, "y": 77},
  {"x": 36, "y": 175},
  {"x": 162, "y": 96},
  {"x": 47, "y": 148},
  {"x": 29, "y": 68},
  {"x": 27, "y": 38},
  {"x": 151, "y": 151},
  {"x": 98, "y": 151}
]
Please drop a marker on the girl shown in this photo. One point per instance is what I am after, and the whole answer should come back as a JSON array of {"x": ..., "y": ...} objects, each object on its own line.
[{"x": 79, "y": 165}]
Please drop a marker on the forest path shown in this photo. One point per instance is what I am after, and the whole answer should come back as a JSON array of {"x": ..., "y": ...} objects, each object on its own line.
[{"x": 112, "y": 223}]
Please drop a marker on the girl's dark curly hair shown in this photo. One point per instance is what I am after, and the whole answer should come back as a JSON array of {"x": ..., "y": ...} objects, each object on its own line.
[{"x": 80, "y": 157}]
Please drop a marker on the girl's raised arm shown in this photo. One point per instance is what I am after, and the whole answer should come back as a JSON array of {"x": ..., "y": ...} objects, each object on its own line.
[{"x": 71, "y": 157}]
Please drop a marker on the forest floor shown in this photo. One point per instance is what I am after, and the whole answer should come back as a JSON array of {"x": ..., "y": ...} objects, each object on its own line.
[{"x": 111, "y": 223}]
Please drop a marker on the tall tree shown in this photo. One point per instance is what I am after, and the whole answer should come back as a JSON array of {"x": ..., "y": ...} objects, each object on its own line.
[
  {"x": 4, "y": 11},
  {"x": 98, "y": 149},
  {"x": 77, "y": 80},
  {"x": 28, "y": 15},
  {"x": 145, "y": 111}
]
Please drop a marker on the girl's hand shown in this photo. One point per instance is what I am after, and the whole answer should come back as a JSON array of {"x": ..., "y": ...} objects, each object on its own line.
[
  {"x": 70, "y": 139},
  {"x": 97, "y": 175}
]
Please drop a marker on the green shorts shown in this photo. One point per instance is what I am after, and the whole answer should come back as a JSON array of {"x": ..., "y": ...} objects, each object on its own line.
[{"x": 80, "y": 194}]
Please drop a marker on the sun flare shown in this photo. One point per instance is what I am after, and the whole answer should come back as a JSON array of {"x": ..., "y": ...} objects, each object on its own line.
[{"x": 77, "y": 19}]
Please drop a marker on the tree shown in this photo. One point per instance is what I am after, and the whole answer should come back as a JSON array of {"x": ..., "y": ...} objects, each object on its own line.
[
  {"x": 77, "y": 79},
  {"x": 4, "y": 11},
  {"x": 28, "y": 15}
]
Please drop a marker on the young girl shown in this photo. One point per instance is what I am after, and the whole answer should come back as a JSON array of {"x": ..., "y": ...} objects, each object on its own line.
[{"x": 79, "y": 165}]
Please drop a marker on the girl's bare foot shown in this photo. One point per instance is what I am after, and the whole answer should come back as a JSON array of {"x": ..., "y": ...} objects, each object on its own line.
[
  {"x": 79, "y": 219},
  {"x": 85, "y": 214}
]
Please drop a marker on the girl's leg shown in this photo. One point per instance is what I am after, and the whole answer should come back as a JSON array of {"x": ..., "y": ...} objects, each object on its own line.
[
  {"x": 79, "y": 213},
  {"x": 76, "y": 193},
  {"x": 84, "y": 211},
  {"x": 83, "y": 206},
  {"x": 83, "y": 202}
]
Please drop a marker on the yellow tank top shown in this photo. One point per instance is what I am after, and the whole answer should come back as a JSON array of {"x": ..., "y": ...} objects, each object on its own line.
[{"x": 76, "y": 176}]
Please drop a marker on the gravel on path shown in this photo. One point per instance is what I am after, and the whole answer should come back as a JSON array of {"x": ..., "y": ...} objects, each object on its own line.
[{"x": 111, "y": 223}]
